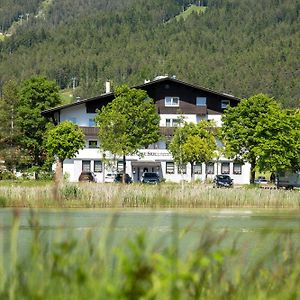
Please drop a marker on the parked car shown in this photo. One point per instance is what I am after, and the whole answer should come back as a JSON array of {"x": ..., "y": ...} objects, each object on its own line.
[
  {"x": 261, "y": 180},
  {"x": 150, "y": 177},
  {"x": 288, "y": 179},
  {"x": 119, "y": 178},
  {"x": 222, "y": 181},
  {"x": 109, "y": 177},
  {"x": 88, "y": 177}
]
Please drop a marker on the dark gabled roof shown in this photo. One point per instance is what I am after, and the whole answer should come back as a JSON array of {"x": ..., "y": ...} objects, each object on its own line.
[
  {"x": 186, "y": 84},
  {"x": 141, "y": 86}
]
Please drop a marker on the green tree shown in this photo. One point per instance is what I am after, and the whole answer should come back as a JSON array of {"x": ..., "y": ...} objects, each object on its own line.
[
  {"x": 36, "y": 95},
  {"x": 194, "y": 143},
  {"x": 260, "y": 132},
  {"x": 9, "y": 131},
  {"x": 127, "y": 124},
  {"x": 62, "y": 142},
  {"x": 278, "y": 138}
]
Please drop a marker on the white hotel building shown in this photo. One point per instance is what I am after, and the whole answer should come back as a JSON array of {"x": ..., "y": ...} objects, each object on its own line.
[{"x": 170, "y": 96}]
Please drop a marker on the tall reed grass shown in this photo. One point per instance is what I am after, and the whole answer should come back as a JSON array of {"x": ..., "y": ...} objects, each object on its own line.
[
  {"x": 134, "y": 268},
  {"x": 163, "y": 196}
]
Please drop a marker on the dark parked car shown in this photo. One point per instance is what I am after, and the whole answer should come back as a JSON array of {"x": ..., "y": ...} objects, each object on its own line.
[
  {"x": 223, "y": 181},
  {"x": 88, "y": 177},
  {"x": 119, "y": 178},
  {"x": 150, "y": 177}
]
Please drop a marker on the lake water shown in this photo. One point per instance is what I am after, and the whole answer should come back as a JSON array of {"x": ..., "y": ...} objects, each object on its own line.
[{"x": 250, "y": 226}]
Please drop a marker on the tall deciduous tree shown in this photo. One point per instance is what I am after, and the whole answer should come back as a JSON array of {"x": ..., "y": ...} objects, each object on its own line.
[
  {"x": 9, "y": 132},
  {"x": 194, "y": 143},
  {"x": 36, "y": 95},
  {"x": 260, "y": 132},
  {"x": 62, "y": 142},
  {"x": 278, "y": 138},
  {"x": 128, "y": 123}
]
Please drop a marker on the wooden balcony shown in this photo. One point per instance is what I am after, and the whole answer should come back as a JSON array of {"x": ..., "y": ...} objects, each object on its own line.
[
  {"x": 90, "y": 131},
  {"x": 93, "y": 131}
]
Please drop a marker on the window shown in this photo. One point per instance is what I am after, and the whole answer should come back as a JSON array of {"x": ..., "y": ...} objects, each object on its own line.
[
  {"x": 120, "y": 166},
  {"x": 201, "y": 101},
  {"x": 225, "y": 168},
  {"x": 210, "y": 168},
  {"x": 172, "y": 122},
  {"x": 171, "y": 101},
  {"x": 170, "y": 167},
  {"x": 225, "y": 103},
  {"x": 198, "y": 168},
  {"x": 86, "y": 165},
  {"x": 97, "y": 166},
  {"x": 175, "y": 122},
  {"x": 157, "y": 145},
  {"x": 237, "y": 168},
  {"x": 91, "y": 123},
  {"x": 181, "y": 169},
  {"x": 93, "y": 144}
]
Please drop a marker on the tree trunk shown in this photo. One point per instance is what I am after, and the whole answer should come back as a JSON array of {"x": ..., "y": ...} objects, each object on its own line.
[
  {"x": 59, "y": 171},
  {"x": 36, "y": 162},
  {"x": 252, "y": 171},
  {"x": 192, "y": 171},
  {"x": 124, "y": 169},
  {"x": 58, "y": 178}
]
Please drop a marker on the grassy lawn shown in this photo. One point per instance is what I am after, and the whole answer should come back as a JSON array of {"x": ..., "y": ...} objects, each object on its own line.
[
  {"x": 190, "y": 10},
  {"x": 66, "y": 96},
  {"x": 25, "y": 183}
]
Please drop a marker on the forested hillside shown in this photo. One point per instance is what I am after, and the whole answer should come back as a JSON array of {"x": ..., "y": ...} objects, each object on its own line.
[
  {"x": 242, "y": 47},
  {"x": 15, "y": 10}
]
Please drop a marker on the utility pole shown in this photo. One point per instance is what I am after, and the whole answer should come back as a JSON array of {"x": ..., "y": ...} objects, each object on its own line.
[
  {"x": 73, "y": 82},
  {"x": 27, "y": 16},
  {"x": 21, "y": 18}
]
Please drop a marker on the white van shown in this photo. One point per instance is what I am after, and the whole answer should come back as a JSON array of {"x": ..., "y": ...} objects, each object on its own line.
[{"x": 288, "y": 179}]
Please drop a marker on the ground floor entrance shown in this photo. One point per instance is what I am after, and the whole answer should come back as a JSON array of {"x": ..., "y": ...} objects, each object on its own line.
[{"x": 138, "y": 168}]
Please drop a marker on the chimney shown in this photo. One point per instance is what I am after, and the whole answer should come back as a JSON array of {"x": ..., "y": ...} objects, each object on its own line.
[{"x": 107, "y": 87}]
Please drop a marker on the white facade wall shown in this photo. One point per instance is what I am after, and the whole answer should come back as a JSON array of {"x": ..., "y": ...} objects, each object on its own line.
[
  {"x": 149, "y": 159},
  {"x": 154, "y": 160},
  {"x": 216, "y": 118},
  {"x": 187, "y": 118},
  {"x": 77, "y": 114}
]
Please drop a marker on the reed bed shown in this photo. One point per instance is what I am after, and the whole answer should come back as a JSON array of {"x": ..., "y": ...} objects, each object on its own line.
[
  {"x": 92, "y": 267},
  {"x": 90, "y": 195}
]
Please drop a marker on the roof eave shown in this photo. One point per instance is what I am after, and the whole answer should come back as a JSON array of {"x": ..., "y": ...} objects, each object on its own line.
[{"x": 58, "y": 108}]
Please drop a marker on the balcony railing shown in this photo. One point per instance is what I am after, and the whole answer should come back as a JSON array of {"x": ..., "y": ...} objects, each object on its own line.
[
  {"x": 93, "y": 131},
  {"x": 90, "y": 131}
]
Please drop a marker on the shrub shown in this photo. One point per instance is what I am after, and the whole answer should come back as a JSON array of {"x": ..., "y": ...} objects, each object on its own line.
[
  {"x": 6, "y": 175},
  {"x": 3, "y": 201},
  {"x": 70, "y": 191}
]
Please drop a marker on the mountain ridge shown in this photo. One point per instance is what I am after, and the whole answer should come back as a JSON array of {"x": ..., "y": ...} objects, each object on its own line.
[{"x": 237, "y": 46}]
